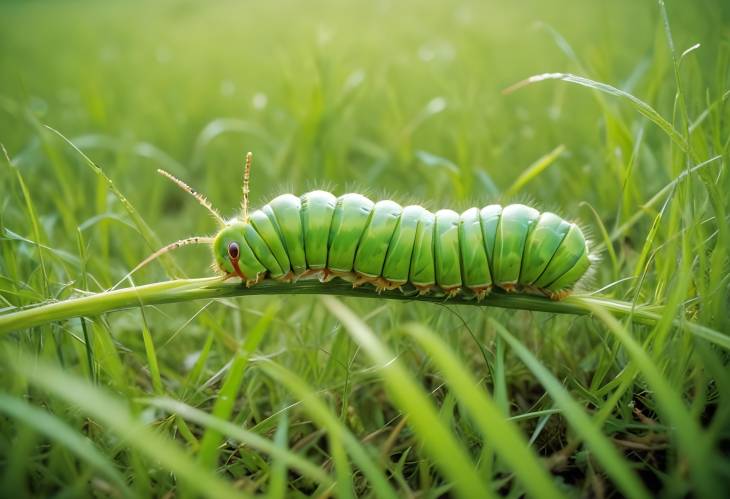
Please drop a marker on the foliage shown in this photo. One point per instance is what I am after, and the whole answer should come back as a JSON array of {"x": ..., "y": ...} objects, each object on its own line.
[{"x": 623, "y": 126}]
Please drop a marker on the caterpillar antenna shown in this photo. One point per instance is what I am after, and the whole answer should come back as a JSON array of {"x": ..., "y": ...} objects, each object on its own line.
[
  {"x": 200, "y": 198},
  {"x": 246, "y": 179},
  {"x": 162, "y": 251}
]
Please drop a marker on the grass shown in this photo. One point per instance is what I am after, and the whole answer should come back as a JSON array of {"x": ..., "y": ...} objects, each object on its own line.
[{"x": 608, "y": 114}]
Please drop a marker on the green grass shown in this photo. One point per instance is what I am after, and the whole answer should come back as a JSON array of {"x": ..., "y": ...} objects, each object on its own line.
[{"x": 605, "y": 112}]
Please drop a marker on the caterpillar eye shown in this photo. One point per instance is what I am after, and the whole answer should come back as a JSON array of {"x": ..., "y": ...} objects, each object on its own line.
[{"x": 233, "y": 251}]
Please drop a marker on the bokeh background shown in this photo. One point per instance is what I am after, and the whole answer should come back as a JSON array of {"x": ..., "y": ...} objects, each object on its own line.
[
  {"x": 397, "y": 98},
  {"x": 403, "y": 100}
]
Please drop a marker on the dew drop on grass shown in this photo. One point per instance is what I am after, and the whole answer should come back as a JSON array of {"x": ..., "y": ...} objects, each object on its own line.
[
  {"x": 228, "y": 88},
  {"x": 355, "y": 79},
  {"x": 464, "y": 15},
  {"x": 554, "y": 113},
  {"x": 436, "y": 105},
  {"x": 259, "y": 101},
  {"x": 436, "y": 51},
  {"x": 190, "y": 360},
  {"x": 163, "y": 55},
  {"x": 324, "y": 35}
]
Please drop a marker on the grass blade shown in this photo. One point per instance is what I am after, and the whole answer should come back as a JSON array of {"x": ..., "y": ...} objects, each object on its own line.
[
  {"x": 112, "y": 413},
  {"x": 438, "y": 441},
  {"x": 34, "y": 221},
  {"x": 690, "y": 437},
  {"x": 534, "y": 170},
  {"x": 605, "y": 452},
  {"x": 148, "y": 234},
  {"x": 228, "y": 393},
  {"x": 503, "y": 435},
  {"x": 56, "y": 429},
  {"x": 326, "y": 419},
  {"x": 149, "y": 347},
  {"x": 242, "y": 435},
  {"x": 638, "y": 104},
  {"x": 277, "y": 482}
]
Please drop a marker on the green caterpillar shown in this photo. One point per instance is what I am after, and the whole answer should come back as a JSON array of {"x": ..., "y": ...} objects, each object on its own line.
[{"x": 515, "y": 247}]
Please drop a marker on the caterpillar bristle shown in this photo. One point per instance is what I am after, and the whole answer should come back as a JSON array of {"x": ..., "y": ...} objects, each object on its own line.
[
  {"x": 162, "y": 251},
  {"x": 246, "y": 180},
  {"x": 198, "y": 196}
]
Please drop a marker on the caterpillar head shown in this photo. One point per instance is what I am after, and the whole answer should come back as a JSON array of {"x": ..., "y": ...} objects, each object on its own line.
[
  {"x": 232, "y": 253},
  {"x": 233, "y": 256}
]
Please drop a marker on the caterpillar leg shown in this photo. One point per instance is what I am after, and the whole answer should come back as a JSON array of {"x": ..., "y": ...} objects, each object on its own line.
[
  {"x": 289, "y": 277},
  {"x": 360, "y": 280},
  {"x": 345, "y": 276},
  {"x": 481, "y": 292},
  {"x": 423, "y": 289},
  {"x": 326, "y": 276},
  {"x": 245, "y": 280},
  {"x": 259, "y": 277},
  {"x": 382, "y": 284},
  {"x": 310, "y": 274},
  {"x": 558, "y": 295}
]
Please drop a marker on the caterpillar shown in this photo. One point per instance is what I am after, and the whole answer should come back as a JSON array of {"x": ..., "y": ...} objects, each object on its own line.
[{"x": 515, "y": 248}]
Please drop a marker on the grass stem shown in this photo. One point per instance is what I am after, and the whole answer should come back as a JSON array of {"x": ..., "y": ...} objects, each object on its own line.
[{"x": 182, "y": 290}]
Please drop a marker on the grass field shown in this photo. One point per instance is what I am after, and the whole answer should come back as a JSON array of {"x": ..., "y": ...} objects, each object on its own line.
[{"x": 345, "y": 396}]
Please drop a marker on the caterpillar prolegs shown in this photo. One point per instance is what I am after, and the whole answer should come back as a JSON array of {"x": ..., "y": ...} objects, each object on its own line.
[{"x": 513, "y": 247}]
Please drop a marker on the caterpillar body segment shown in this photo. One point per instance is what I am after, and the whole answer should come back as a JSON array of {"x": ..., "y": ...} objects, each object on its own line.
[
  {"x": 489, "y": 217},
  {"x": 374, "y": 242},
  {"x": 515, "y": 247},
  {"x": 400, "y": 251},
  {"x": 546, "y": 236},
  {"x": 317, "y": 210},
  {"x": 570, "y": 258},
  {"x": 446, "y": 251},
  {"x": 422, "y": 272},
  {"x": 513, "y": 228},
  {"x": 266, "y": 227},
  {"x": 349, "y": 222},
  {"x": 285, "y": 213},
  {"x": 476, "y": 273},
  {"x": 572, "y": 275}
]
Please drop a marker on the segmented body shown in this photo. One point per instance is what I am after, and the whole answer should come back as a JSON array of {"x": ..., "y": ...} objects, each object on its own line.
[{"x": 514, "y": 247}]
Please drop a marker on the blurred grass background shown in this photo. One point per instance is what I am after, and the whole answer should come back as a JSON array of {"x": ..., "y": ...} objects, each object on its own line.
[{"x": 396, "y": 99}]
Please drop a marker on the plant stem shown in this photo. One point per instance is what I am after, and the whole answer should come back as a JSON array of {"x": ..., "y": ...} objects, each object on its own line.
[{"x": 182, "y": 290}]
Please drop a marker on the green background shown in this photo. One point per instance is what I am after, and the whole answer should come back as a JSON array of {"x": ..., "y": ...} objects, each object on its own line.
[{"x": 400, "y": 100}]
